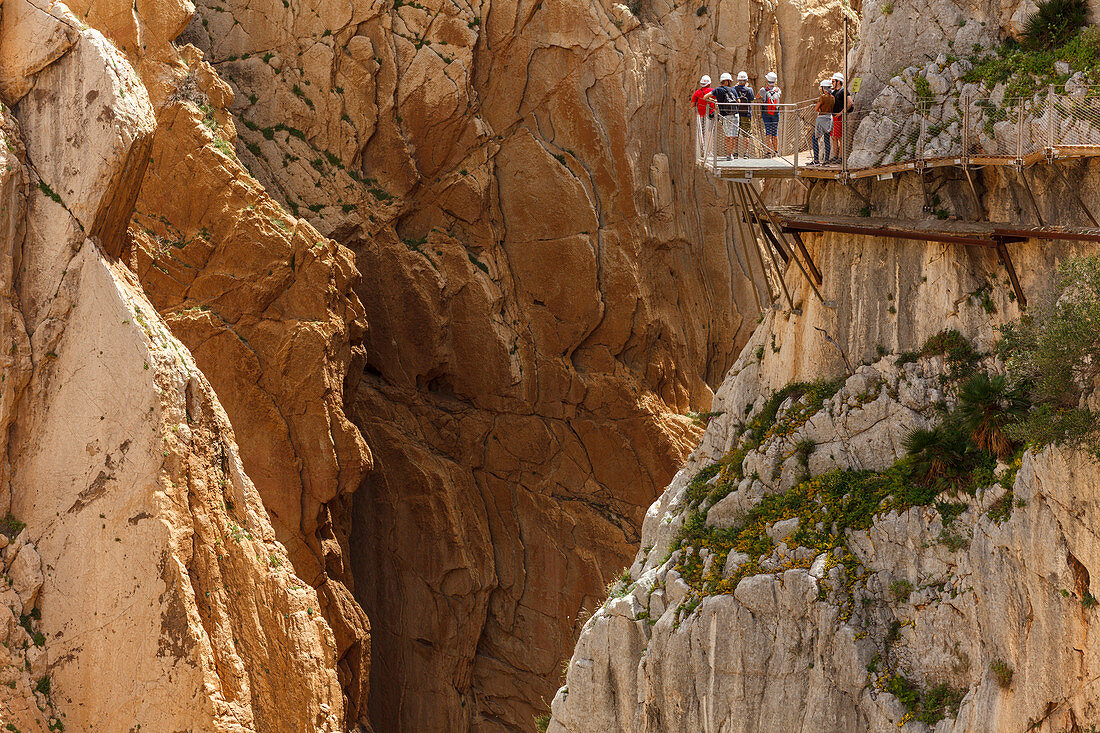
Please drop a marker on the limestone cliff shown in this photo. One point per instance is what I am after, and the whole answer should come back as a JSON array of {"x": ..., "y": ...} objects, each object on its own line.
[
  {"x": 262, "y": 301},
  {"x": 152, "y": 591},
  {"x": 548, "y": 286},
  {"x": 970, "y": 611}
]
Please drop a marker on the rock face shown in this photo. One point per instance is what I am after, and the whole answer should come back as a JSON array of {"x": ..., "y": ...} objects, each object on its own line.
[
  {"x": 147, "y": 555},
  {"x": 943, "y": 601},
  {"x": 263, "y": 302},
  {"x": 1004, "y": 585},
  {"x": 546, "y": 281}
]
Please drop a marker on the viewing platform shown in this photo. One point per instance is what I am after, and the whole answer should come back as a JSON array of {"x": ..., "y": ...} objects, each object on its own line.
[{"x": 897, "y": 135}]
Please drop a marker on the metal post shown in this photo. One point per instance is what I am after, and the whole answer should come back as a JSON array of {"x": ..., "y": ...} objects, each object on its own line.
[
  {"x": 844, "y": 110},
  {"x": 923, "y": 133},
  {"x": 797, "y": 125},
  {"x": 1052, "y": 121},
  {"x": 715, "y": 134},
  {"x": 1020, "y": 135},
  {"x": 698, "y": 136},
  {"x": 966, "y": 131}
]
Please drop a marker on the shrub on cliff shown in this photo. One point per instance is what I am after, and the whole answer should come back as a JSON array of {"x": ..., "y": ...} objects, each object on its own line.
[
  {"x": 1054, "y": 354},
  {"x": 1054, "y": 22},
  {"x": 987, "y": 406}
]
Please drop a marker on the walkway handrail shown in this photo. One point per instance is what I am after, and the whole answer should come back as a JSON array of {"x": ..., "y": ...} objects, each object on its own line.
[{"x": 900, "y": 133}]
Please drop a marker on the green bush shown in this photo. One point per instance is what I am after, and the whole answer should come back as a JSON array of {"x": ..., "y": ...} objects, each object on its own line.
[
  {"x": 1054, "y": 22},
  {"x": 1024, "y": 71},
  {"x": 957, "y": 352},
  {"x": 929, "y": 705},
  {"x": 901, "y": 590},
  {"x": 939, "y": 456},
  {"x": 1054, "y": 354},
  {"x": 1002, "y": 672}
]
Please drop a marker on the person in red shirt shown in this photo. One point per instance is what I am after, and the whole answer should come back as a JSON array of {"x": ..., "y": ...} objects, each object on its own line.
[{"x": 704, "y": 117}]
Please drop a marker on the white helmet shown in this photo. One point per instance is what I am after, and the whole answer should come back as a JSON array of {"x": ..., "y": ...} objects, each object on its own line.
[
  {"x": 838, "y": 77},
  {"x": 770, "y": 76},
  {"x": 726, "y": 76},
  {"x": 704, "y": 81},
  {"x": 742, "y": 76},
  {"x": 826, "y": 83}
]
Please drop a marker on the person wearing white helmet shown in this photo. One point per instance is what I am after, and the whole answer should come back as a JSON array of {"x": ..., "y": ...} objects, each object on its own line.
[
  {"x": 769, "y": 97},
  {"x": 823, "y": 123},
  {"x": 704, "y": 117},
  {"x": 745, "y": 97},
  {"x": 726, "y": 98},
  {"x": 840, "y": 101}
]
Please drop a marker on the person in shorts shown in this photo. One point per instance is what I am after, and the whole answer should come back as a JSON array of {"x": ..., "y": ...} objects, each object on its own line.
[
  {"x": 724, "y": 97},
  {"x": 769, "y": 99},
  {"x": 840, "y": 100},
  {"x": 823, "y": 122},
  {"x": 704, "y": 118},
  {"x": 745, "y": 98}
]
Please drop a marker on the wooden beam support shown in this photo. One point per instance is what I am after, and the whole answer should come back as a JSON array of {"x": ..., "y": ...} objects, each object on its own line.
[
  {"x": 765, "y": 227},
  {"x": 745, "y": 206},
  {"x": 741, "y": 234},
  {"x": 1031, "y": 196},
  {"x": 779, "y": 229},
  {"x": 1006, "y": 260},
  {"x": 814, "y": 272},
  {"x": 1073, "y": 192}
]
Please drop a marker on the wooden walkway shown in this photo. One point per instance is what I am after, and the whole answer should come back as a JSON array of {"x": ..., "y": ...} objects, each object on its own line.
[
  {"x": 1019, "y": 136},
  {"x": 740, "y": 169}
]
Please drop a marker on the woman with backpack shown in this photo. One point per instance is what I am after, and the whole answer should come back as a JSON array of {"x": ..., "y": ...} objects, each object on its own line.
[{"x": 769, "y": 98}]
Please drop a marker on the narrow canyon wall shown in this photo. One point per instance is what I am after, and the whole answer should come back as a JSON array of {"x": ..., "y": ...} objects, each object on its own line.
[
  {"x": 547, "y": 282},
  {"x": 153, "y": 592}
]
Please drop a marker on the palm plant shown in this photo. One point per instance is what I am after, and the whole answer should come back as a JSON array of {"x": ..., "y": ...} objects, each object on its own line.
[
  {"x": 938, "y": 454},
  {"x": 987, "y": 405},
  {"x": 1054, "y": 22}
]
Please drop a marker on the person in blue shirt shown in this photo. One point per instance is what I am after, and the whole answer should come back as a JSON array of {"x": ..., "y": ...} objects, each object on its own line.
[
  {"x": 725, "y": 98},
  {"x": 745, "y": 98}
]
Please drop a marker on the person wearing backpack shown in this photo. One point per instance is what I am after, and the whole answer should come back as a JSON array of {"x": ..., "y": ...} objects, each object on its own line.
[
  {"x": 704, "y": 118},
  {"x": 725, "y": 99},
  {"x": 745, "y": 98},
  {"x": 823, "y": 123},
  {"x": 769, "y": 97}
]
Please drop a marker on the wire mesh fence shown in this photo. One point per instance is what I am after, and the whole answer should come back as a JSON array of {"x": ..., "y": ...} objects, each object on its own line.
[
  {"x": 896, "y": 131},
  {"x": 752, "y": 132}
]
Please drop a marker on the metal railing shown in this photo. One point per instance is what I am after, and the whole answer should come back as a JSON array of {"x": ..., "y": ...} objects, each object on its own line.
[
  {"x": 749, "y": 133},
  {"x": 896, "y": 133}
]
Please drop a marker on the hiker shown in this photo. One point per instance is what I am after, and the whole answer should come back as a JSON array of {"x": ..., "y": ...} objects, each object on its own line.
[
  {"x": 704, "y": 118},
  {"x": 725, "y": 97},
  {"x": 769, "y": 97},
  {"x": 841, "y": 100},
  {"x": 745, "y": 98},
  {"x": 823, "y": 123}
]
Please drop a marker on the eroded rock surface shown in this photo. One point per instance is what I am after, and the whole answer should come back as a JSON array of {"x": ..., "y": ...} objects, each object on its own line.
[
  {"x": 801, "y": 643},
  {"x": 546, "y": 280},
  {"x": 165, "y": 600}
]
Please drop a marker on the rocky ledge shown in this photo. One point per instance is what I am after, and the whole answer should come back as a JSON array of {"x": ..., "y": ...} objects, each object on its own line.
[{"x": 801, "y": 574}]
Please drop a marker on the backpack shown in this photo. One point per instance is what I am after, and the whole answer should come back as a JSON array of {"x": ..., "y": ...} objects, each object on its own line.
[{"x": 773, "y": 105}]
